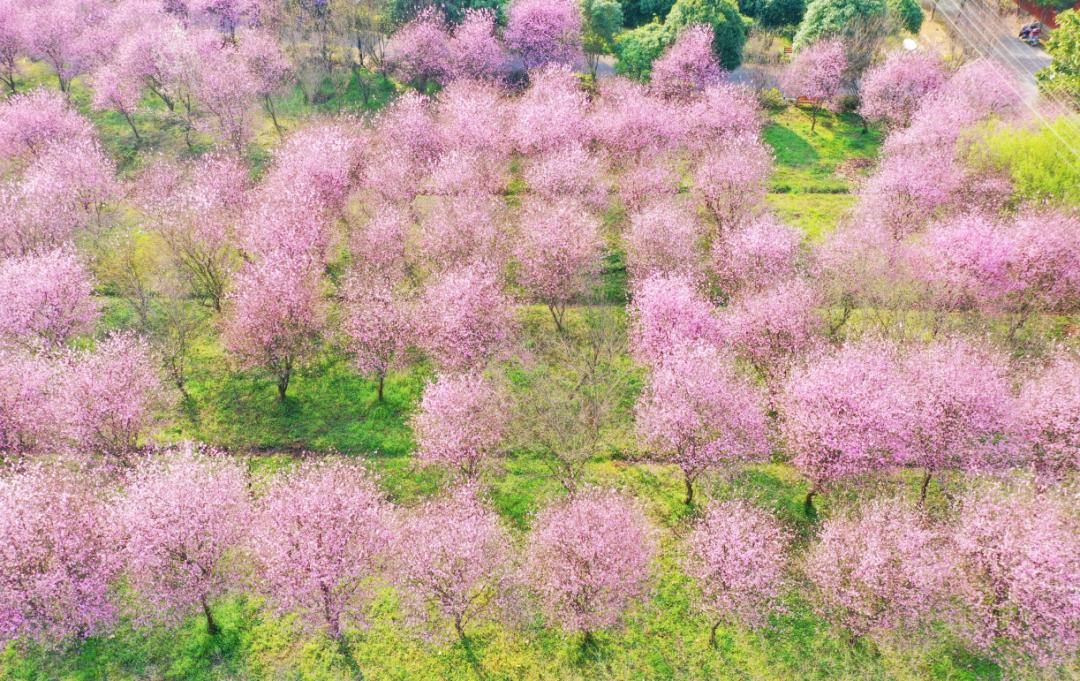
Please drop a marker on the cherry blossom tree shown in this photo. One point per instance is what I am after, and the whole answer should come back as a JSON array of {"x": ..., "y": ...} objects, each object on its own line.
[
  {"x": 544, "y": 32},
  {"x": 688, "y": 66},
  {"x": 963, "y": 407},
  {"x": 461, "y": 423},
  {"x": 378, "y": 248},
  {"x": 11, "y": 44},
  {"x": 588, "y": 560},
  {"x": 465, "y": 318},
  {"x": 730, "y": 179},
  {"x": 880, "y": 569},
  {"x": 846, "y": 414},
  {"x": 419, "y": 52},
  {"x": 774, "y": 327},
  {"x": 378, "y": 323},
  {"x": 1048, "y": 419},
  {"x": 31, "y": 418},
  {"x": 755, "y": 256},
  {"x": 45, "y": 299},
  {"x": 267, "y": 65},
  {"x": 567, "y": 172},
  {"x": 816, "y": 73},
  {"x": 664, "y": 238},
  {"x": 31, "y": 121},
  {"x": 275, "y": 319},
  {"x": 452, "y": 560},
  {"x": 197, "y": 209},
  {"x": 1018, "y": 557},
  {"x": 463, "y": 229},
  {"x": 319, "y": 535},
  {"x": 559, "y": 253},
  {"x": 57, "y": 559},
  {"x": 698, "y": 414},
  {"x": 737, "y": 555},
  {"x": 111, "y": 394},
  {"x": 178, "y": 518},
  {"x": 891, "y": 91},
  {"x": 631, "y": 123},
  {"x": 552, "y": 113},
  {"x": 667, "y": 312},
  {"x": 475, "y": 51},
  {"x": 62, "y": 33},
  {"x": 115, "y": 91}
]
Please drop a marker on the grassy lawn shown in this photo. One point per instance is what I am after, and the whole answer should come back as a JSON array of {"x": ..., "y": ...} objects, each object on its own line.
[{"x": 811, "y": 186}]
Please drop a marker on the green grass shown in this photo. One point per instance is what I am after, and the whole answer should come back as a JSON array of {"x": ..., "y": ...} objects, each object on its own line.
[{"x": 811, "y": 184}]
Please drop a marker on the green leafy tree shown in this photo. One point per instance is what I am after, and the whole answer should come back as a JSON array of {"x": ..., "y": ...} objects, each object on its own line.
[
  {"x": 1042, "y": 162},
  {"x": 729, "y": 28},
  {"x": 845, "y": 19},
  {"x": 1062, "y": 77},
  {"x": 776, "y": 13},
  {"x": 639, "y": 12},
  {"x": 909, "y": 13},
  {"x": 603, "y": 21},
  {"x": 638, "y": 48}
]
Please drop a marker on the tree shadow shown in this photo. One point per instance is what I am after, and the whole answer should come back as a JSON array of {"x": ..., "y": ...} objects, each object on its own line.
[{"x": 789, "y": 147}]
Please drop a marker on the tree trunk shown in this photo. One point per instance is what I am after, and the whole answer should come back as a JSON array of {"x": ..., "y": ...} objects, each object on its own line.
[
  {"x": 282, "y": 386},
  {"x": 808, "y": 503},
  {"x": 134, "y": 130},
  {"x": 212, "y": 627},
  {"x": 689, "y": 490},
  {"x": 925, "y": 484},
  {"x": 459, "y": 628},
  {"x": 557, "y": 315},
  {"x": 273, "y": 115},
  {"x": 712, "y": 633},
  {"x": 813, "y": 117},
  {"x": 379, "y": 392}
]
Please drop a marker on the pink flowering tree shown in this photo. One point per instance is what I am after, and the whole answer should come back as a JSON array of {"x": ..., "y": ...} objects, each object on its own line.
[
  {"x": 559, "y": 253},
  {"x": 737, "y": 556},
  {"x": 551, "y": 113},
  {"x": 452, "y": 561},
  {"x": 963, "y": 407},
  {"x": 545, "y": 32},
  {"x": 463, "y": 229},
  {"x": 45, "y": 299},
  {"x": 196, "y": 209},
  {"x": 475, "y": 50},
  {"x": 891, "y": 91},
  {"x": 275, "y": 318},
  {"x": 664, "y": 239},
  {"x": 11, "y": 44},
  {"x": 320, "y": 534},
  {"x": 880, "y": 570},
  {"x": 667, "y": 312},
  {"x": 62, "y": 34},
  {"x": 419, "y": 52},
  {"x": 817, "y": 74},
  {"x": 32, "y": 121},
  {"x": 846, "y": 414},
  {"x": 267, "y": 65},
  {"x": 112, "y": 394},
  {"x": 179, "y": 517},
  {"x": 1048, "y": 419},
  {"x": 1018, "y": 557},
  {"x": 31, "y": 412},
  {"x": 698, "y": 414},
  {"x": 461, "y": 423},
  {"x": 57, "y": 559},
  {"x": 114, "y": 90},
  {"x": 689, "y": 65},
  {"x": 567, "y": 172},
  {"x": 378, "y": 249},
  {"x": 465, "y": 318},
  {"x": 730, "y": 179},
  {"x": 588, "y": 560},
  {"x": 774, "y": 327},
  {"x": 756, "y": 256},
  {"x": 377, "y": 322}
]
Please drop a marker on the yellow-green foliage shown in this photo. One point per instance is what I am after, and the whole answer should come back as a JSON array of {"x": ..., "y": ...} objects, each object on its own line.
[{"x": 1043, "y": 161}]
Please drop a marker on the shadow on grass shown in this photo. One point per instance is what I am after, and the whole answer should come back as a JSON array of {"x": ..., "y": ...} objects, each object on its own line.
[{"x": 789, "y": 147}]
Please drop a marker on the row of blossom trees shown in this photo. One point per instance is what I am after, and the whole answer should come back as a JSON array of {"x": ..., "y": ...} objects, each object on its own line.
[{"x": 323, "y": 541}]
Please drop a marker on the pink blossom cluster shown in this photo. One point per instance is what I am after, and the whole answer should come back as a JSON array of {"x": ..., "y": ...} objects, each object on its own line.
[
  {"x": 688, "y": 66},
  {"x": 544, "y": 31},
  {"x": 461, "y": 423},
  {"x": 666, "y": 313},
  {"x": 588, "y": 560}
]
